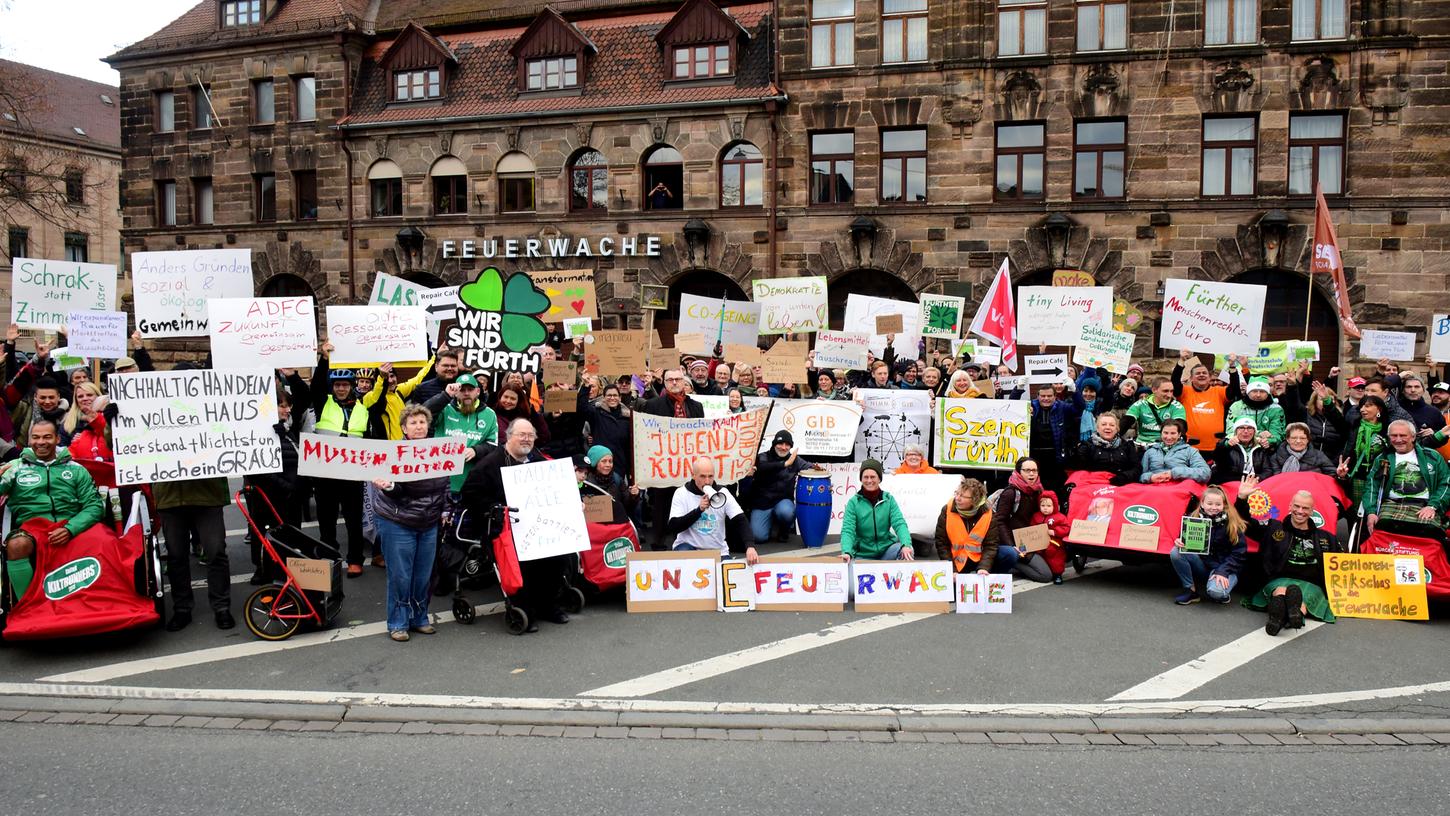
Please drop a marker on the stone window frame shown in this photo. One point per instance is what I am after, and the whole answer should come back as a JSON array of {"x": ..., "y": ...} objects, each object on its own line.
[
  {"x": 1230, "y": 11},
  {"x": 297, "y": 82},
  {"x": 203, "y": 215},
  {"x": 264, "y": 198},
  {"x": 1315, "y": 145},
  {"x": 999, "y": 152},
  {"x": 1102, "y": 7},
  {"x": 577, "y": 166},
  {"x": 905, "y": 157},
  {"x": 166, "y": 203},
  {"x": 741, "y": 166},
  {"x": 1021, "y": 9},
  {"x": 164, "y": 104},
  {"x": 905, "y": 18},
  {"x": 834, "y": 160},
  {"x": 1227, "y": 145},
  {"x": 513, "y": 182},
  {"x": 1099, "y": 149},
  {"x": 1319, "y": 35},
  {"x": 840, "y": 29},
  {"x": 201, "y": 106}
]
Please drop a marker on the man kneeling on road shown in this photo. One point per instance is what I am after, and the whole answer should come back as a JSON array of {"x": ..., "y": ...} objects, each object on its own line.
[
  {"x": 1409, "y": 487},
  {"x": 45, "y": 483},
  {"x": 702, "y": 513}
]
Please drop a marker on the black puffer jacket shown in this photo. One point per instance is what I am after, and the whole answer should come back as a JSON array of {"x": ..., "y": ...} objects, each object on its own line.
[
  {"x": 418, "y": 504},
  {"x": 774, "y": 479},
  {"x": 1122, "y": 460}
]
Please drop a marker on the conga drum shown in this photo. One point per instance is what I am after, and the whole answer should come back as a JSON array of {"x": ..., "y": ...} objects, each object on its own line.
[{"x": 813, "y": 506}]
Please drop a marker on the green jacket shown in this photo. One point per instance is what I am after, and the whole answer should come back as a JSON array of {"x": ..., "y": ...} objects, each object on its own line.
[
  {"x": 1269, "y": 418},
  {"x": 191, "y": 493},
  {"x": 54, "y": 490},
  {"x": 1433, "y": 469},
  {"x": 868, "y": 530},
  {"x": 478, "y": 430},
  {"x": 1149, "y": 422}
]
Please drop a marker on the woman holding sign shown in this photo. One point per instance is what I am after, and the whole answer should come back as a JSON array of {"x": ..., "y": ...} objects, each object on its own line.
[
  {"x": 1016, "y": 505},
  {"x": 873, "y": 526},
  {"x": 1211, "y": 549},
  {"x": 406, "y": 514},
  {"x": 967, "y": 536}
]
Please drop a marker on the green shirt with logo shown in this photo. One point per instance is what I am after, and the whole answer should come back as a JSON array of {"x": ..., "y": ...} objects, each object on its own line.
[
  {"x": 54, "y": 490},
  {"x": 479, "y": 426}
]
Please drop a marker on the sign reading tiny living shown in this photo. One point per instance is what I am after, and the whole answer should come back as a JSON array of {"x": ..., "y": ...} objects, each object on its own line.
[{"x": 607, "y": 247}]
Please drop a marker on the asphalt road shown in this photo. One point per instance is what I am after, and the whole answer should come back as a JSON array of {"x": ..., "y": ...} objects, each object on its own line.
[{"x": 64, "y": 770}]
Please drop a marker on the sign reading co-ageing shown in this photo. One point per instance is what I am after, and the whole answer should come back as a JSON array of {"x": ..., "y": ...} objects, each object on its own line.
[{"x": 606, "y": 247}]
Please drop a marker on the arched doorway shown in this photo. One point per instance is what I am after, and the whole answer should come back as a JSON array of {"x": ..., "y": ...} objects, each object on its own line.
[
  {"x": 286, "y": 285},
  {"x": 870, "y": 282},
  {"x": 1284, "y": 302},
  {"x": 700, "y": 283}
]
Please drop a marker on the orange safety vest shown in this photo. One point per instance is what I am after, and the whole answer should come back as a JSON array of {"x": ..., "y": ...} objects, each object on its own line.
[{"x": 966, "y": 546}]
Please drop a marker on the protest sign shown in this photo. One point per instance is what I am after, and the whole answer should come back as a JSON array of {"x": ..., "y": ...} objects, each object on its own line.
[
  {"x": 1140, "y": 537},
  {"x": 921, "y": 497},
  {"x": 819, "y": 427},
  {"x": 964, "y": 348},
  {"x": 888, "y": 324},
  {"x": 376, "y": 334},
  {"x": 718, "y": 405},
  {"x": 577, "y": 327},
  {"x": 570, "y": 292},
  {"x": 1440, "y": 337},
  {"x": 615, "y": 352},
  {"x": 891, "y": 419},
  {"x": 1071, "y": 277},
  {"x": 498, "y": 323},
  {"x": 388, "y": 290},
  {"x": 1055, "y": 315},
  {"x": 598, "y": 509},
  {"x": 842, "y": 349},
  {"x": 97, "y": 334},
  {"x": 278, "y": 332},
  {"x": 63, "y": 359},
  {"x": 987, "y": 355},
  {"x": 986, "y": 387},
  {"x": 312, "y": 574},
  {"x": 792, "y": 305},
  {"x": 981, "y": 433},
  {"x": 1032, "y": 539},
  {"x": 560, "y": 371},
  {"x": 692, "y": 344},
  {"x": 1211, "y": 317},
  {"x": 44, "y": 293},
  {"x": 784, "y": 584},
  {"x": 681, "y": 581},
  {"x": 1045, "y": 368},
  {"x": 1274, "y": 356},
  {"x": 737, "y": 323},
  {"x": 1194, "y": 535},
  {"x": 664, "y": 357},
  {"x": 664, "y": 447},
  {"x": 561, "y": 401},
  {"x": 1379, "y": 587},
  {"x": 845, "y": 483},
  {"x": 733, "y": 592},
  {"x": 863, "y": 310},
  {"x": 362, "y": 460},
  {"x": 785, "y": 362},
  {"x": 1083, "y": 531},
  {"x": 903, "y": 586},
  {"x": 941, "y": 316},
  {"x": 984, "y": 594},
  {"x": 550, "y": 517},
  {"x": 747, "y": 353},
  {"x": 179, "y": 425},
  {"x": 1101, "y": 347},
  {"x": 172, "y": 289},
  {"x": 1375, "y": 345}
]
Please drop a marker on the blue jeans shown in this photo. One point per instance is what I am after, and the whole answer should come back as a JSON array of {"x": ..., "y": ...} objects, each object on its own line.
[
  {"x": 783, "y": 513},
  {"x": 409, "y": 553},
  {"x": 1006, "y": 560},
  {"x": 1193, "y": 572}
]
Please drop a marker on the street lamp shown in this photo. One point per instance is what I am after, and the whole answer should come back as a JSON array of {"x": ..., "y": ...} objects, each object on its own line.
[
  {"x": 1059, "y": 230},
  {"x": 697, "y": 236},
  {"x": 410, "y": 240},
  {"x": 863, "y": 233},
  {"x": 1273, "y": 228}
]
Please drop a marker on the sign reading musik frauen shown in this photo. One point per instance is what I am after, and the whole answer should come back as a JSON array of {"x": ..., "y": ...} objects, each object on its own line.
[{"x": 562, "y": 247}]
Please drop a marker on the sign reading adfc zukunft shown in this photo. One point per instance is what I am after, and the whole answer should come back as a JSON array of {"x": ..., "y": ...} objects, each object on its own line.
[{"x": 562, "y": 247}]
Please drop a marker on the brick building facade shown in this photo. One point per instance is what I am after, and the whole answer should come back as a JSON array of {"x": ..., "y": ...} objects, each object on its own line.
[{"x": 896, "y": 146}]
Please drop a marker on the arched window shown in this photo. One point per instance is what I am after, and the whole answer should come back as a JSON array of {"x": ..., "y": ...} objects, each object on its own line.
[
  {"x": 515, "y": 183},
  {"x": 742, "y": 176},
  {"x": 286, "y": 284},
  {"x": 385, "y": 189},
  {"x": 589, "y": 182},
  {"x": 664, "y": 179},
  {"x": 450, "y": 187}
]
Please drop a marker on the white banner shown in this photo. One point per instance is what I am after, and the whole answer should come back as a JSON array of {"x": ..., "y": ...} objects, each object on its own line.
[
  {"x": 891, "y": 419},
  {"x": 1104, "y": 348},
  {"x": 984, "y": 594},
  {"x": 1055, "y": 315},
  {"x": 799, "y": 584},
  {"x": 1212, "y": 318},
  {"x": 1440, "y": 338},
  {"x": 376, "y": 334},
  {"x": 702, "y": 316},
  {"x": 893, "y": 583},
  {"x": 97, "y": 334},
  {"x": 362, "y": 460},
  {"x": 44, "y": 293},
  {"x": 172, "y": 288},
  {"x": 819, "y": 427},
  {"x": 991, "y": 434},
  {"x": 841, "y": 349},
  {"x": 921, "y": 496},
  {"x": 550, "y": 512},
  {"x": 792, "y": 305},
  {"x": 274, "y": 332},
  {"x": 861, "y": 314},
  {"x": 1375, "y": 345},
  {"x": 179, "y": 425},
  {"x": 941, "y": 316}
]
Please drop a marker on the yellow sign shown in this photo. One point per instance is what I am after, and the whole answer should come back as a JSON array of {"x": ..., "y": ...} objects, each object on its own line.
[{"x": 1381, "y": 587}]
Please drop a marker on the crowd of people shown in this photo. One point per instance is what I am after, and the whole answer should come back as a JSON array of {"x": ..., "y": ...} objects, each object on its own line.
[{"x": 1386, "y": 441}]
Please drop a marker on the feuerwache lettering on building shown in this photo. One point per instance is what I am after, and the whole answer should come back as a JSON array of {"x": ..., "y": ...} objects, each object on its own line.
[{"x": 627, "y": 246}]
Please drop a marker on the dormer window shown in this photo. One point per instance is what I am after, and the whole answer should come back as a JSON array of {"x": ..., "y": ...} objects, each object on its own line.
[
  {"x": 419, "y": 64},
  {"x": 424, "y": 83},
  {"x": 237, "y": 13},
  {"x": 702, "y": 61},
  {"x": 552, "y": 73}
]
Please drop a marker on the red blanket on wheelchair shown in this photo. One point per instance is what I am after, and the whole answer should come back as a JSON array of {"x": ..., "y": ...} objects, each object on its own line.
[
  {"x": 1438, "y": 567},
  {"x": 86, "y": 586}
]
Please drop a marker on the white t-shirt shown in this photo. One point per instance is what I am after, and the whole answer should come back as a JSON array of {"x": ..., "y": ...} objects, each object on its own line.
[
  {"x": 1406, "y": 481},
  {"x": 708, "y": 531}
]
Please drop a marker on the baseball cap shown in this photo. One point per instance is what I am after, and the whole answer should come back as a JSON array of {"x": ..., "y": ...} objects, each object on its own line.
[
  {"x": 125, "y": 362},
  {"x": 1441, "y": 387},
  {"x": 467, "y": 379},
  {"x": 1356, "y": 382}
]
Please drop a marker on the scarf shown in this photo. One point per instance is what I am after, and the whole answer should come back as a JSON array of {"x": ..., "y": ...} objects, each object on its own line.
[
  {"x": 677, "y": 403},
  {"x": 1293, "y": 464},
  {"x": 1099, "y": 442},
  {"x": 1028, "y": 491},
  {"x": 1248, "y": 452},
  {"x": 872, "y": 496},
  {"x": 1087, "y": 424},
  {"x": 966, "y": 546},
  {"x": 1364, "y": 439}
]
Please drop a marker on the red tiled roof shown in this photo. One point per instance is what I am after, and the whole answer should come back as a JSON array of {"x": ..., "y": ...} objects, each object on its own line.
[
  {"x": 458, "y": 14},
  {"x": 62, "y": 104},
  {"x": 201, "y": 25},
  {"x": 629, "y": 70}
]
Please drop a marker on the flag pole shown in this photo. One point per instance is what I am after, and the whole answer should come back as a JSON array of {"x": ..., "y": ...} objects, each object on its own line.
[{"x": 1308, "y": 304}]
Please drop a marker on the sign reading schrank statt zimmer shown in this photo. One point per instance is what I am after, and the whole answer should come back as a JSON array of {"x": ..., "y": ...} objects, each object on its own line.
[
  {"x": 44, "y": 293},
  {"x": 178, "y": 425}
]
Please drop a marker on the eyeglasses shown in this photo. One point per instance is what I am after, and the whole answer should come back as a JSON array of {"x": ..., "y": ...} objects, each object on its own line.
[{"x": 522, "y": 435}]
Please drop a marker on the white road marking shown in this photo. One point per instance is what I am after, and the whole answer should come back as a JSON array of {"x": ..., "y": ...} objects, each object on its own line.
[
  {"x": 1178, "y": 681},
  {"x": 774, "y": 650},
  {"x": 243, "y": 530},
  {"x": 236, "y": 579},
  {"x": 250, "y": 648}
]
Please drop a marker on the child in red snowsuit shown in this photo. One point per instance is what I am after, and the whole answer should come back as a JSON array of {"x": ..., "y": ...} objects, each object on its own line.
[{"x": 1057, "y": 525}]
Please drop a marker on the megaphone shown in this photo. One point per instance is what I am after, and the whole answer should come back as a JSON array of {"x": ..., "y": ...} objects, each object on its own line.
[{"x": 717, "y": 497}]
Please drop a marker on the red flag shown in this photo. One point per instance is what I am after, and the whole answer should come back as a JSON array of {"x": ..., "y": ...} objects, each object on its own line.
[
  {"x": 1327, "y": 260},
  {"x": 996, "y": 319}
]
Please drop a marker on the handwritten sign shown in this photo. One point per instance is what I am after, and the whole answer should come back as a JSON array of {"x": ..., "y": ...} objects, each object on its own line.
[
  {"x": 820, "y": 427},
  {"x": 598, "y": 509},
  {"x": 550, "y": 513},
  {"x": 1202, "y": 316},
  {"x": 1032, "y": 539},
  {"x": 560, "y": 371},
  {"x": 864, "y": 310},
  {"x": 570, "y": 292},
  {"x": 670, "y": 581},
  {"x": 981, "y": 433},
  {"x": 376, "y": 334},
  {"x": 1071, "y": 277},
  {"x": 664, "y": 357},
  {"x": 941, "y": 316},
  {"x": 1055, "y": 315},
  {"x": 984, "y": 594},
  {"x": 903, "y": 586},
  {"x": 792, "y": 305},
  {"x": 1375, "y": 345},
  {"x": 1380, "y": 587},
  {"x": 278, "y": 332},
  {"x": 615, "y": 352},
  {"x": 891, "y": 419},
  {"x": 738, "y": 322},
  {"x": 747, "y": 353},
  {"x": 842, "y": 349},
  {"x": 44, "y": 293},
  {"x": 888, "y": 324},
  {"x": 561, "y": 401},
  {"x": 97, "y": 334},
  {"x": 1090, "y": 532},
  {"x": 1103, "y": 347},
  {"x": 402, "y": 460},
  {"x": 664, "y": 447},
  {"x": 179, "y": 425},
  {"x": 172, "y": 289},
  {"x": 785, "y": 362},
  {"x": 783, "y": 584},
  {"x": 1440, "y": 337},
  {"x": 312, "y": 574},
  {"x": 388, "y": 290},
  {"x": 1136, "y": 536}
]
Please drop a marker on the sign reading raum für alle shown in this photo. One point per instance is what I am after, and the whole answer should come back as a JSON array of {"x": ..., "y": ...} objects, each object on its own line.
[{"x": 562, "y": 247}]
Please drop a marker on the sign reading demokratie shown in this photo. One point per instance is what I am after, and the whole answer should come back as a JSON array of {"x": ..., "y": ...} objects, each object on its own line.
[
  {"x": 403, "y": 460},
  {"x": 623, "y": 246},
  {"x": 178, "y": 425}
]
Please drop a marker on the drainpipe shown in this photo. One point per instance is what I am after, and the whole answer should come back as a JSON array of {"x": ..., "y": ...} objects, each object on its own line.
[
  {"x": 347, "y": 151},
  {"x": 773, "y": 109}
]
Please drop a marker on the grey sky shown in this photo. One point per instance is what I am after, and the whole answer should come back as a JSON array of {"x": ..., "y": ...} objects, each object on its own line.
[{"x": 72, "y": 36}]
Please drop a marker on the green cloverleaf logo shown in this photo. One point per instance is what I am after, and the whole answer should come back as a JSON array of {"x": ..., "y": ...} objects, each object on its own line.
[{"x": 519, "y": 301}]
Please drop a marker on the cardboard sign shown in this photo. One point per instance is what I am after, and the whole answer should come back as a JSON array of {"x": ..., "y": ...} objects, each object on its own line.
[
  {"x": 888, "y": 324},
  {"x": 1071, "y": 277},
  {"x": 738, "y": 322},
  {"x": 819, "y": 427},
  {"x": 278, "y": 332},
  {"x": 1134, "y": 536},
  {"x": 846, "y": 350},
  {"x": 749, "y": 354},
  {"x": 981, "y": 433},
  {"x": 891, "y": 419},
  {"x": 903, "y": 586},
  {"x": 785, "y": 362},
  {"x": 403, "y": 460},
  {"x": 1033, "y": 539},
  {"x": 172, "y": 289},
  {"x": 1440, "y": 337},
  {"x": 671, "y": 581},
  {"x": 1194, "y": 535},
  {"x": 1100, "y": 347},
  {"x": 664, "y": 357},
  {"x": 941, "y": 316},
  {"x": 377, "y": 334},
  {"x": 1055, "y": 315},
  {"x": 863, "y": 310},
  {"x": 550, "y": 514},
  {"x": 664, "y": 447},
  {"x": 792, "y": 305},
  {"x": 1379, "y": 587},
  {"x": 179, "y": 425},
  {"x": 311, "y": 574},
  {"x": 599, "y": 509},
  {"x": 784, "y": 584},
  {"x": 986, "y": 387},
  {"x": 1045, "y": 369},
  {"x": 44, "y": 293},
  {"x": 984, "y": 594},
  {"x": 1090, "y": 532},
  {"x": 560, "y": 371},
  {"x": 1375, "y": 345},
  {"x": 692, "y": 344},
  {"x": 97, "y": 334},
  {"x": 615, "y": 352},
  {"x": 561, "y": 401},
  {"x": 1222, "y": 318},
  {"x": 570, "y": 293}
]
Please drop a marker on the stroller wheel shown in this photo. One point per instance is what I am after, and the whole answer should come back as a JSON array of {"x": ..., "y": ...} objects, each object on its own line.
[
  {"x": 463, "y": 610},
  {"x": 266, "y": 624},
  {"x": 572, "y": 600},
  {"x": 517, "y": 620}
]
